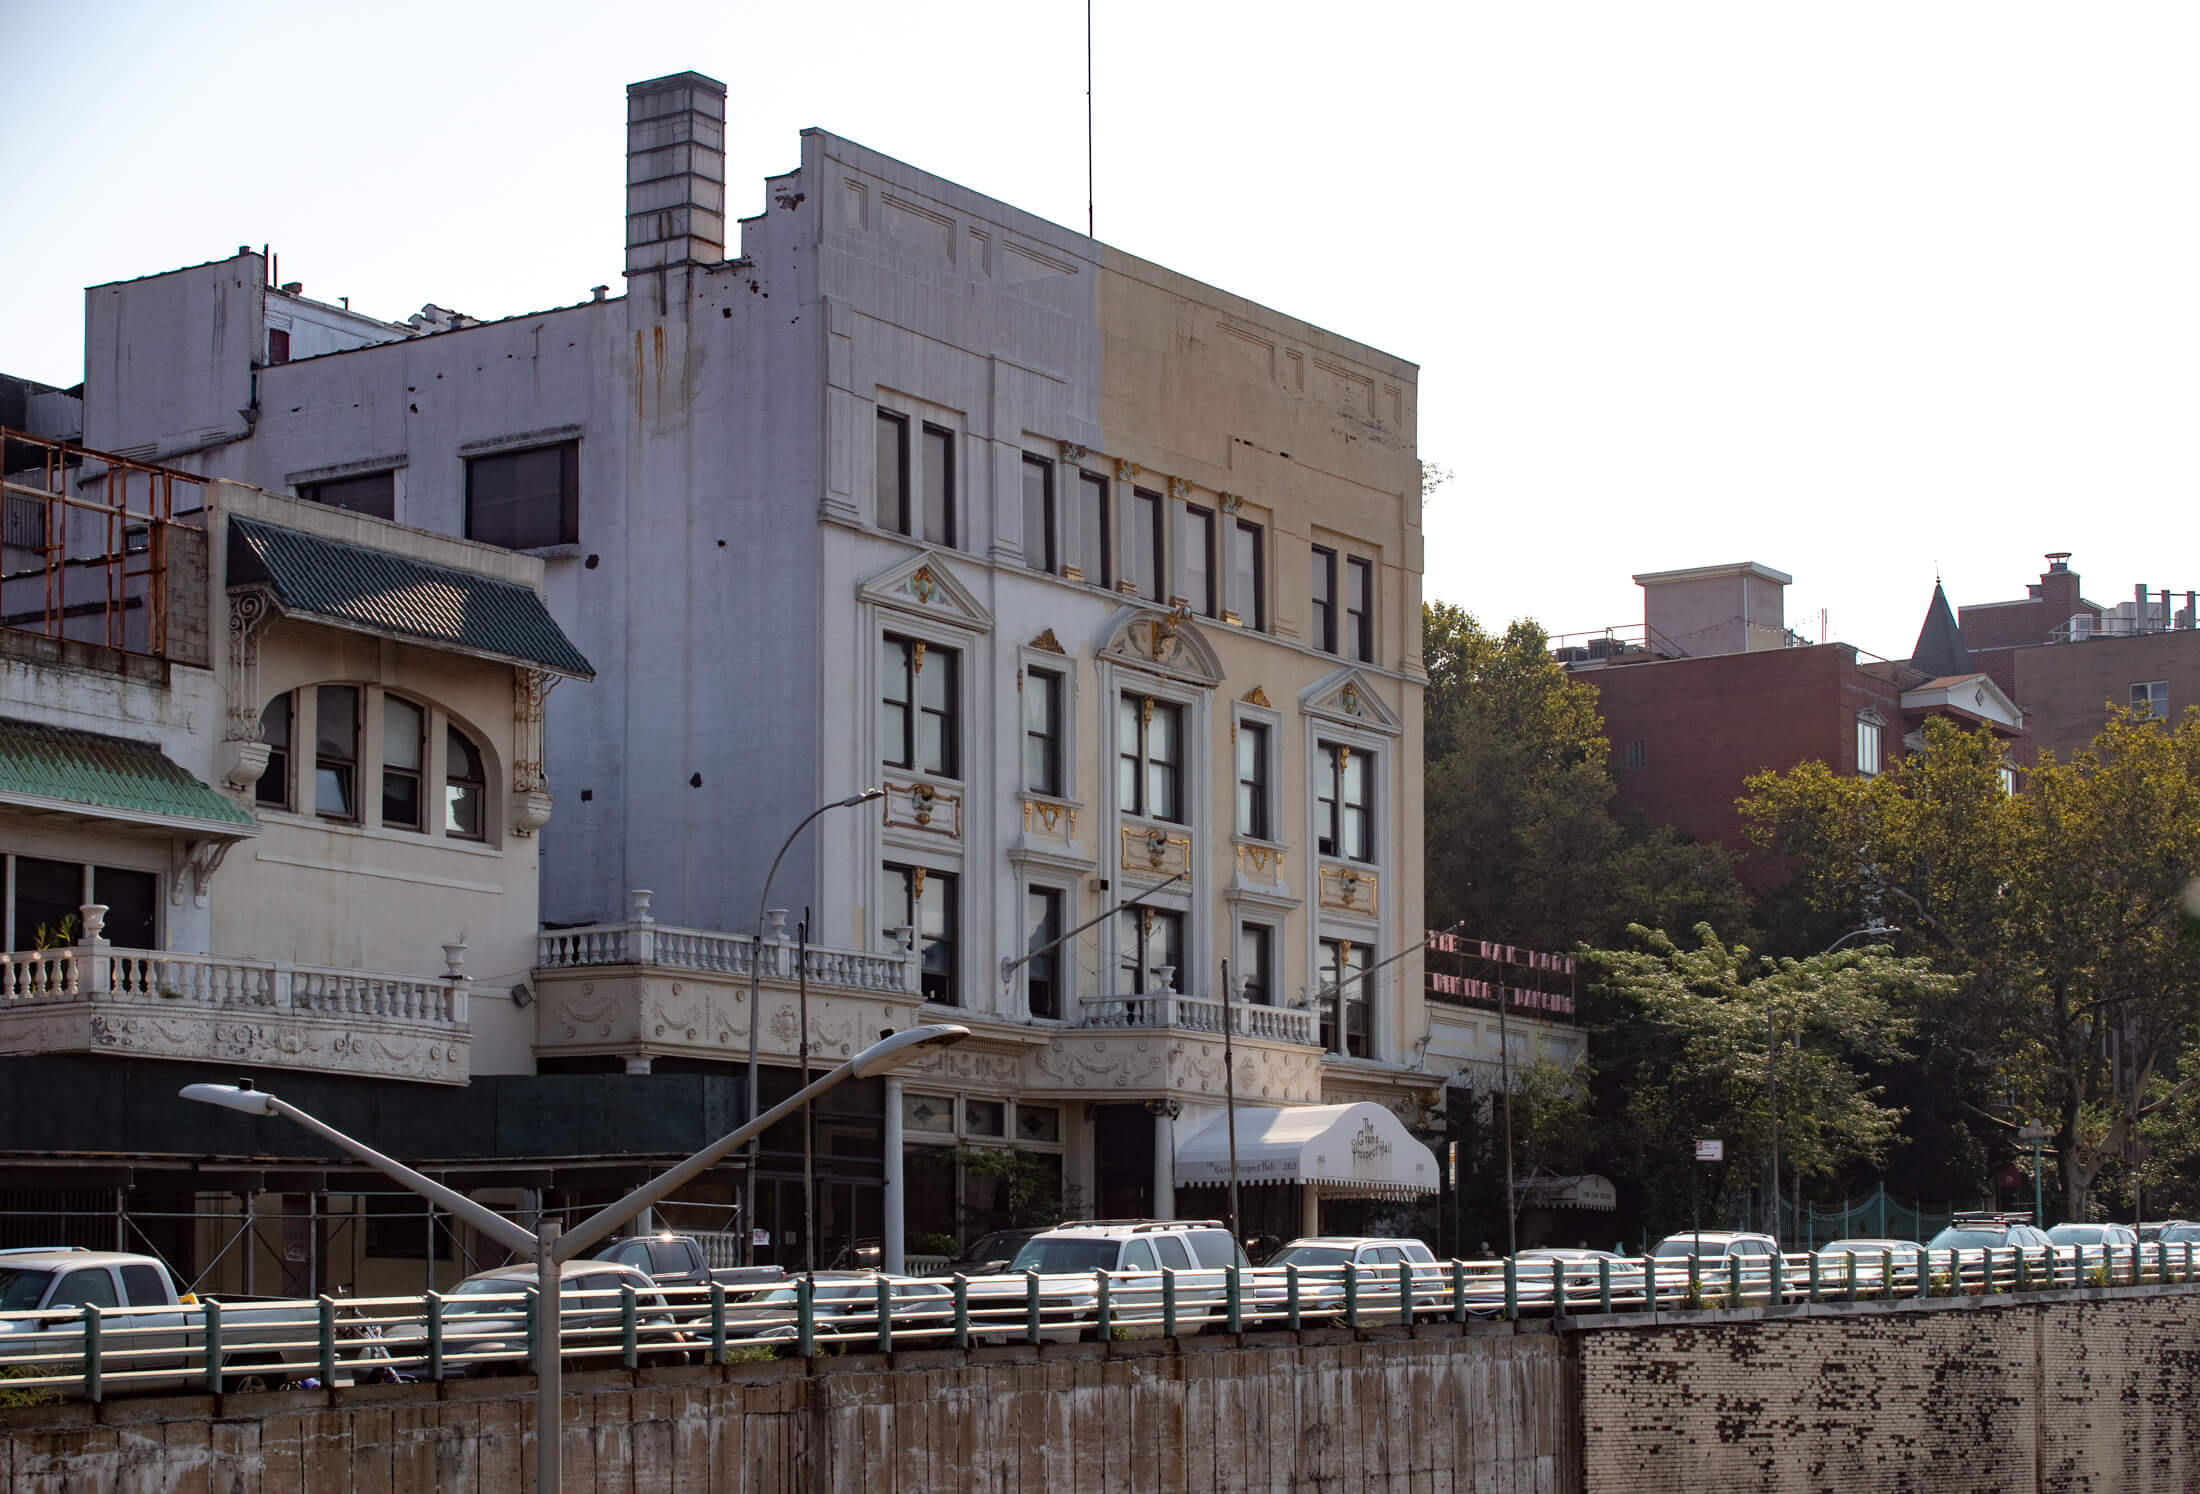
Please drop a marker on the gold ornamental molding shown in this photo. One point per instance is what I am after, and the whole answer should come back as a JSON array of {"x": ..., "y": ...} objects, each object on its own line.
[
  {"x": 918, "y": 805},
  {"x": 1348, "y": 890},
  {"x": 1265, "y": 861},
  {"x": 1155, "y": 852},
  {"x": 1049, "y": 644},
  {"x": 1257, "y": 697},
  {"x": 1051, "y": 817}
]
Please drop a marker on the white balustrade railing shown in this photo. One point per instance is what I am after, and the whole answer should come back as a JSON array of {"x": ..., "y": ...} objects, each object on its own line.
[
  {"x": 650, "y": 943},
  {"x": 1178, "y": 1012},
  {"x": 104, "y": 973}
]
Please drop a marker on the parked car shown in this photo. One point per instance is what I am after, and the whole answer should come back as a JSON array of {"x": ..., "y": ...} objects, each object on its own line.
[
  {"x": 1200, "y": 1252},
  {"x": 1583, "y": 1273},
  {"x": 1865, "y": 1263},
  {"x": 1971, "y": 1236},
  {"x": 677, "y": 1261},
  {"x": 2170, "y": 1232},
  {"x": 150, "y": 1333},
  {"x": 989, "y": 1254},
  {"x": 485, "y": 1320},
  {"x": 920, "y": 1310},
  {"x": 1374, "y": 1264},
  {"x": 2097, "y": 1244},
  {"x": 1714, "y": 1250}
]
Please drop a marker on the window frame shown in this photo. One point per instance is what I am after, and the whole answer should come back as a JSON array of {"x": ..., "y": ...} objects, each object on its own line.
[
  {"x": 1055, "y": 965},
  {"x": 2149, "y": 689},
  {"x": 1336, "y": 975},
  {"x": 1140, "y": 755},
  {"x": 900, "y": 423},
  {"x": 1097, "y": 490},
  {"x": 1153, "y": 552},
  {"x": 317, "y": 492},
  {"x": 1359, "y": 577},
  {"x": 1259, "y": 983},
  {"x": 451, "y": 780},
  {"x": 87, "y": 890},
  {"x": 1323, "y": 599},
  {"x": 323, "y": 762},
  {"x": 943, "y": 534},
  {"x": 569, "y": 493},
  {"x": 1133, "y": 949},
  {"x": 437, "y": 762},
  {"x": 1332, "y": 771},
  {"x": 1871, "y": 729},
  {"x": 1048, "y": 561},
  {"x": 916, "y": 649},
  {"x": 915, "y": 879},
  {"x": 1257, "y": 584},
  {"x": 1196, "y": 544},
  {"x": 418, "y": 773},
  {"x": 1260, "y": 824},
  {"x": 281, "y": 759},
  {"x": 1052, "y": 684}
]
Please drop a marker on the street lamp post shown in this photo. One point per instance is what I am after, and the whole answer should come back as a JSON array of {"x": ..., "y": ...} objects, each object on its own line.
[
  {"x": 756, "y": 1025},
  {"x": 549, "y": 1248},
  {"x": 2036, "y": 1133}
]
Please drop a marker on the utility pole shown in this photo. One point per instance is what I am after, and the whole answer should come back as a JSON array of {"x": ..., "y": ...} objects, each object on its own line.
[
  {"x": 1229, "y": 1099},
  {"x": 1772, "y": 1095}
]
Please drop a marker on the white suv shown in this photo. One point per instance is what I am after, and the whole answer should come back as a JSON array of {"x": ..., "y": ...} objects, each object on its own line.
[
  {"x": 1199, "y": 1252},
  {"x": 1375, "y": 1265}
]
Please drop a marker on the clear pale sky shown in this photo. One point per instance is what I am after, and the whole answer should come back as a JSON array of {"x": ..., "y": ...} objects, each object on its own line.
[{"x": 1859, "y": 291}]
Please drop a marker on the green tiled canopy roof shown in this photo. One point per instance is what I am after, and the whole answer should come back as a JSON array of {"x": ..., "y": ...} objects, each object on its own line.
[
  {"x": 54, "y": 767},
  {"x": 355, "y": 586}
]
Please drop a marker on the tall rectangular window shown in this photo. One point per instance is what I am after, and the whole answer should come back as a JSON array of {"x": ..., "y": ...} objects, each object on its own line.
[
  {"x": 918, "y": 706},
  {"x": 1150, "y": 767},
  {"x": 1096, "y": 528},
  {"x": 465, "y": 787},
  {"x": 1359, "y": 607},
  {"x": 1867, "y": 747},
  {"x": 893, "y": 472},
  {"x": 524, "y": 500},
  {"x": 939, "y": 486},
  {"x": 1249, "y": 575},
  {"x": 403, "y": 733},
  {"x": 1148, "y": 570},
  {"x": 926, "y": 901},
  {"x": 1343, "y": 814},
  {"x": 336, "y": 752},
  {"x": 1325, "y": 600},
  {"x": 1038, "y": 513},
  {"x": 1147, "y": 939},
  {"x": 2151, "y": 699},
  {"x": 275, "y": 727},
  {"x": 1344, "y": 1003},
  {"x": 1043, "y": 971},
  {"x": 375, "y": 493},
  {"x": 1252, "y": 780},
  {"x": 1197, "y": 556},
  {"x": 1043, "y": 732},
  {"x": 1256, "y": 949}
]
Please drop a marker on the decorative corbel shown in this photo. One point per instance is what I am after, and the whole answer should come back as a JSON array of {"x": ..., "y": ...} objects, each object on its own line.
[
  {"x": 1126, "y": 471},
  {"x": 1072, "y": 452},
  {"x": 531, "y": 799},
  {"x": 194, "y": 861},
  {"x": 1179, "y": 488}
]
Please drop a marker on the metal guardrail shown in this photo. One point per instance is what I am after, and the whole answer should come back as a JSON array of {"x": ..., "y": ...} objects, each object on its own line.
[{"x": 97, "y": 1352}]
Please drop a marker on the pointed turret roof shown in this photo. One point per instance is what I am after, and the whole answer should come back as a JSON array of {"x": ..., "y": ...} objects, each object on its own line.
[{"x": 1940, "y": 651}]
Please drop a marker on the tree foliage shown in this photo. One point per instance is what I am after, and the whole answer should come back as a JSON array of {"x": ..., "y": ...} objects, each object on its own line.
[
  {"x": 2058, "y": 907},
  {"x": 1522, "y": 842},
  {"x": 1691, "y": 1031}
]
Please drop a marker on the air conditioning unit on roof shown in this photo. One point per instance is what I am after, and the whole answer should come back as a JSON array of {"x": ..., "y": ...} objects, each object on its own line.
[{"x": 2081, "y": 626}]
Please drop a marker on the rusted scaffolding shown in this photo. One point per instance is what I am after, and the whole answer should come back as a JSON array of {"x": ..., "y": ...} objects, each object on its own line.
[{"x": 86, "y": 542}]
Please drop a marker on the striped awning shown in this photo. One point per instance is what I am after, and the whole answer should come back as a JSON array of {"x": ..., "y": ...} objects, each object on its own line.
[{"x": 1359, "y": 1150}]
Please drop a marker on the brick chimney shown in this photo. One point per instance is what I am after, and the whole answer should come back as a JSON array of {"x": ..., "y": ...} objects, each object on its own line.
[
  {"x": 2059, "y": 588},
  {"x": 675, "y": 172}
]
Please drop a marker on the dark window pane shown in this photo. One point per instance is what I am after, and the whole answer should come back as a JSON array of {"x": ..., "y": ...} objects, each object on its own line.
[
  {"x": 403, "y": 726},
  {"x": 1325, "y": 599},
  {"x": 375, "y": 494},
  {"x": 1128, "y": 732},
  {"x": 1038, "y": 513},
  {"x": 145, "y": 1286},
  {"x": 1252, "y": 805},
  {"x": 1325, "y": 799},
  {"x": 1164, "y": 762},
  {"x": 1355, "y": 831},
  {"x": 1254, "y": 941},
  {"x": 939, "y": 486},
  {"x": 525, "y": 499},
  {"x": 897, "y": 699},
  {"x": 1198, "y": 560},
  {"x": 893, "y": 472},
  {"x": 1248, "y": 575},
  {"x": 1043, "y": 732},
  {"x": 465, "y": 789},
  {"x": 48, "y": 897},
  {"x": 1148, "y": 570},
  {"x": 1096, "y": 532},
  {"x": 937, "y": 686},
  {"x": 274, "y": 786},
  {"x": 1042, "y": 926},
  {"x": 1360, "y": 607},
  {"x": 278, "y": 345},
  {"x": 133, "y": 904},
  {"x": 336, "y": 751}
]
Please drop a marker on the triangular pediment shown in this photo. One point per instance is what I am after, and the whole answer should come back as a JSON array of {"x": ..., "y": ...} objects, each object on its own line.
[
  {"x": 1973, "y": 695},
  {"x": 1344, "y": 695},
  {"x": 926, "y": 585},
  {"x": 1160, "y": 643}
]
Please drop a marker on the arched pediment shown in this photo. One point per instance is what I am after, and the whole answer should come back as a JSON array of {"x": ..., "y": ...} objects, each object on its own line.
[
  {"x": 1160, "y": 643},
  {"x": 1344, "y": 696}
]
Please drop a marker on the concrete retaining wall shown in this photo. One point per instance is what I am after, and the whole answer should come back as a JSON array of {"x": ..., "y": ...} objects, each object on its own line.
[{"x": 2063, "y": 1392}]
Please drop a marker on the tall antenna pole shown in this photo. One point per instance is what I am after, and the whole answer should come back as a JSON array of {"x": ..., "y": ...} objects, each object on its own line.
[{"x": 1088, "y": 120}]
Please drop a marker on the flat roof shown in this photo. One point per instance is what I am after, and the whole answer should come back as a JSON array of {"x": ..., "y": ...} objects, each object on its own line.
[{"x": 1715, "y": 572}]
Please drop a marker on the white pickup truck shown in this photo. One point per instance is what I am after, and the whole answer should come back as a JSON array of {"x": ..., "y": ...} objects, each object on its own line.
[{"x": 151, "y": 1338}]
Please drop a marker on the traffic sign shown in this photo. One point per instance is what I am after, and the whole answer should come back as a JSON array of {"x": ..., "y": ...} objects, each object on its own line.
[{"x": 1711, "y": 1151}]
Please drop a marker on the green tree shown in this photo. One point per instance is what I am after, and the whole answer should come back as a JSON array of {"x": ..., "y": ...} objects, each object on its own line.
[
  {"x": 2059, "y": 907},
  {"x": 1691, "y": 1029},
  {"x": 1522, "y": 842}
]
